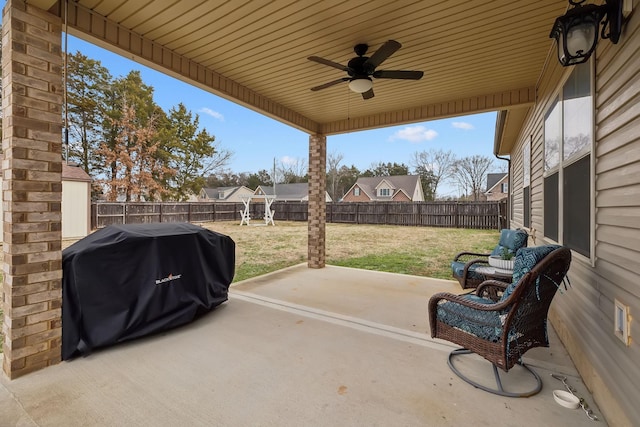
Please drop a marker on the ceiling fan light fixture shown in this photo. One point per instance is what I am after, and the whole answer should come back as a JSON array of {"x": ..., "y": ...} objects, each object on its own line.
[{"x": 360, "y": 85}]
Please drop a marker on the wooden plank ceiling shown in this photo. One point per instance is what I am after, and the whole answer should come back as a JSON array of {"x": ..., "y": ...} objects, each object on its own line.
[{"x": 476, "y": 55}]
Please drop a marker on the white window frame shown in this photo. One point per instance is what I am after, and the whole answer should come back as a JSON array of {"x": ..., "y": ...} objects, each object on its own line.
[
  {"x": 356, "y": 191},
  {"x": 526, "y": 182},
  {"x": 559, "y": 169}
]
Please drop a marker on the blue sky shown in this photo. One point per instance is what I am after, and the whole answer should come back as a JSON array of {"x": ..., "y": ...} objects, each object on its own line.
[{"x": 256, "y": 140}]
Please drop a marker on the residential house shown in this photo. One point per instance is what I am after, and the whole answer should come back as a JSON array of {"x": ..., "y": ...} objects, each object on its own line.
[
  {"x": 497, "y": 186},
  {"x": 298, "y": 192},
  {"x": 400, "y": 188},
  {"x": 575, "y": 168},
  {"x": 224, "y": 194}
]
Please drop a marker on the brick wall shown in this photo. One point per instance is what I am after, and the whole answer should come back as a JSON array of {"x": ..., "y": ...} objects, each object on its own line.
[
  {"x": 317, "y": 205},
  {"x": 351, "y": 196},
  {"x": 401, "y": 196},
  {"x": 31, "y": 188}
]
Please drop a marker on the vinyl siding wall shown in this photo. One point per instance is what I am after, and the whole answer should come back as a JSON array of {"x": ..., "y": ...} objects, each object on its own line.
[{"x": 584, "y": 316}]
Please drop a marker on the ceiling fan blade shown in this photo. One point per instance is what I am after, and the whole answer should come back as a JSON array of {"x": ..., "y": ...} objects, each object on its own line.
[
  {"x": 398, "y": 74},
  {"x": 326, "y": 85},
  {"x": 329, "y": 63},
  {"x": 368, "y": 94},
  {"x": 385, "y": 51}
]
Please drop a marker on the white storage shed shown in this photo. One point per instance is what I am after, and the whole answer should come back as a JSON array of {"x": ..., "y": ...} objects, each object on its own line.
[{"x": 76, "y": 202}]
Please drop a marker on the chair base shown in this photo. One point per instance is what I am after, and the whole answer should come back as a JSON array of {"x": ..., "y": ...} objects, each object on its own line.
[{"x": 499, "y": 390}]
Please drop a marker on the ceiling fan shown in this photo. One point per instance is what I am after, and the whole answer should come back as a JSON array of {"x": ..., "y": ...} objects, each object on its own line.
[{"x": 361, "y": 68}]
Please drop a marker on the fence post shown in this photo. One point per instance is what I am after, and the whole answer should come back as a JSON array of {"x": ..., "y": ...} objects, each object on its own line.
[
  {"x": 502, "y": 214},
  {"x": 457, "y": 213},
  {"x": 213, "y": 212},
  {"x": 124, "y": 213},
  {"x": 160, "y": 211}
]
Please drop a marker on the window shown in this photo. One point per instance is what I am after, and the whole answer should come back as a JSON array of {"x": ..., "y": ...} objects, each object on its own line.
[
  {"x": 504, "y": 187},
  {"x": 526, "y": 185},
  {"x": 356, "y": 191},
  {"x": 568, "y": 140},
  {"x": 384, "y": 192}
]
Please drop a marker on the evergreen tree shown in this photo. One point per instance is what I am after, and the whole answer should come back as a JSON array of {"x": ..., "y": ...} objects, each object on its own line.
[
  {"x": 386, "y": 169},
  {"x": 263, "y": 177},
  {"x": 191, "y": 153},
  {"x": 87, "y": 81},
  {"x": 427, "y": 180}
]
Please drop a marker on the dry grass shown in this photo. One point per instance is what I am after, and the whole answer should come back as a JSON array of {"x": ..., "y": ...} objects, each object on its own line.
[{"x": 410, "y": 250}]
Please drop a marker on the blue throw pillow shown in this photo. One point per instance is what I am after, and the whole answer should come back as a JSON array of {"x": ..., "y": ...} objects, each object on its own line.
[
  {"x": 511, "y": 240},
  {"x": 525, "y": 260}
]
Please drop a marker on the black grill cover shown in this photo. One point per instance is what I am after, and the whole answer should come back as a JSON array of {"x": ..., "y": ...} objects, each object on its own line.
[{"x": 127, "y": 281}]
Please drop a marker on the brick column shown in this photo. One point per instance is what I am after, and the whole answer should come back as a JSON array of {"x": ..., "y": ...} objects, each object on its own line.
[
  {"x": 31, "y": 188},
  {"x": 317, "y": 201}
]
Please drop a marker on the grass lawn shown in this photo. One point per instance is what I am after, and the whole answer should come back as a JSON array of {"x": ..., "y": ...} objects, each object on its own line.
[{"x": 420, "y": 251}]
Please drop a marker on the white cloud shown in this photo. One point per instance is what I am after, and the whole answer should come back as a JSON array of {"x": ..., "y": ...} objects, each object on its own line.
[
  {"x": 462, "y": 125},
  {"x": 286, "y": 160},
  {"x": 414, "y": 134},
  {"x": 212, "y": 113}
]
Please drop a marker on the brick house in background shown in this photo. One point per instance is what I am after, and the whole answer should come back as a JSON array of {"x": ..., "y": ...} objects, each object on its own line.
[
  {"x": 401, "y": 188},
  {"x": 497, "y": 186}
]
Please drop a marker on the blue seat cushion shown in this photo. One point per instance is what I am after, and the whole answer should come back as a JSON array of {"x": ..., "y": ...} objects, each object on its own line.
[
  {"x": 486, "y": 325},
  {"x": 525, "y": 260},
  {"x": 457, "y": 268}
]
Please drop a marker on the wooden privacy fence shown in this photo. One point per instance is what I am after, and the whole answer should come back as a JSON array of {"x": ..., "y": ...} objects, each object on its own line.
[{"x": 478, "y": 215}]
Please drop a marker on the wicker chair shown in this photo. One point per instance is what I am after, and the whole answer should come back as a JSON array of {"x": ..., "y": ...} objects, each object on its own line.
[
  {"x": 464, "y": 264},
  {"x": 501, "y": 322}
]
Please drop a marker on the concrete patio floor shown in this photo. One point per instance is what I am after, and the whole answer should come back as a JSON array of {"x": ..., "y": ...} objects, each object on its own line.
[{"x": 299, "y": 347}]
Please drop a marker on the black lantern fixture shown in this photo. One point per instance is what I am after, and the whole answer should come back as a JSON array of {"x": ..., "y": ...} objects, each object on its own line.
[{"x": 576, "y": 32}]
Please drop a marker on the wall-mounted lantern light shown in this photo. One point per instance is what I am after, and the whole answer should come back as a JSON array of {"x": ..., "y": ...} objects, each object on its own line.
[{"x": 576, "y": 32}]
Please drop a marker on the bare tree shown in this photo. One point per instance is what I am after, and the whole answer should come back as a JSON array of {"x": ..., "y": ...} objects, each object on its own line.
[
  {"x": 438, "y": 162},
  {"x": 291, "y": 171},
  {"x": 333, "y": 173},
  {"x": 470, "y": 173}
]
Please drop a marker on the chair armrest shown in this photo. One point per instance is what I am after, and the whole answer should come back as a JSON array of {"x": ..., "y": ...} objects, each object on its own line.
[
  {"x": 472, "y": 263},
  {"x": 461, "y": 254},
  {"x": 459, "y": 299},
  {"x": 490, "y": 289}
]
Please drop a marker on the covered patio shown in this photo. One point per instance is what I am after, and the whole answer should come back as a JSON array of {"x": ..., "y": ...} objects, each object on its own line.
[
  {"x": 300, "y": 346},
  {"x": 476, "y": 57}
]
